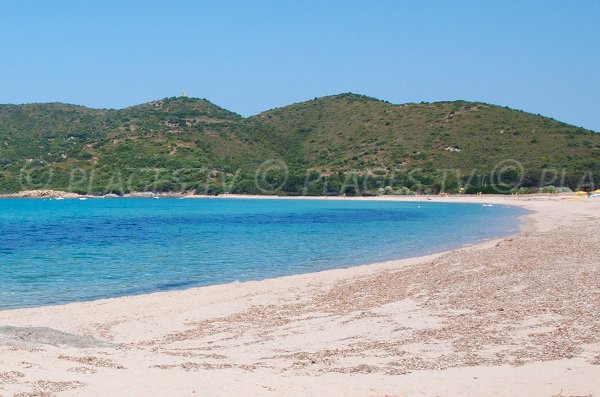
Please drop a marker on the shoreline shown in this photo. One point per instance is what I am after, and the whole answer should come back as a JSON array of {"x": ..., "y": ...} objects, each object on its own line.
[
  {"x": 260, "y": 334},
  {"x": 57, "y": 194},
  {"x": 525, "y": 225}
]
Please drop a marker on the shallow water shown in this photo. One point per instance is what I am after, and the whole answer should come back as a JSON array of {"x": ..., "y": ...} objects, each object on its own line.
[{"x": 55, "y": 252}]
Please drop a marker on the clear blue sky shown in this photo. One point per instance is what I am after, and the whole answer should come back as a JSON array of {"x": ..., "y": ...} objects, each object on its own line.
[{"x": 249, "y": 56}]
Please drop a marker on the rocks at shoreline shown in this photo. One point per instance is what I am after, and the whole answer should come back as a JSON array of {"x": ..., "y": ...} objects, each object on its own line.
[
  {"x": 42, "y": 194},
  {"x": 57, "y": 194}
]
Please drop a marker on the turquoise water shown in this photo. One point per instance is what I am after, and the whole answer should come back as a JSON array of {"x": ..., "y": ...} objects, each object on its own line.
[{"x": 54, "y": 252}]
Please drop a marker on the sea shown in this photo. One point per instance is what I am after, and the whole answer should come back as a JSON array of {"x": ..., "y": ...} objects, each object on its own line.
[{"x": 61, "y": 251}]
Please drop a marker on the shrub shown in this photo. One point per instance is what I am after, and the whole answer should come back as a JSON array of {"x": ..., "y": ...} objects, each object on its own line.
[{"x": 548, "y": 189}]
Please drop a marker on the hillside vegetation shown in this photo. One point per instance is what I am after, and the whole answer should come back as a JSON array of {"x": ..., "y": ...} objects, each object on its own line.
[{"x": 343, "y": 144}]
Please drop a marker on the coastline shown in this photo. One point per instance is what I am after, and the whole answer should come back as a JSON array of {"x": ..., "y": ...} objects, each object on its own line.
[
  {"x": 54, "y": 194},
  {"x": 301, "y": 325}
]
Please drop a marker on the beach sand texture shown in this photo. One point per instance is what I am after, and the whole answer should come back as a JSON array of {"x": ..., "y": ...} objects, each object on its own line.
[{"x": 519, "y": 316}]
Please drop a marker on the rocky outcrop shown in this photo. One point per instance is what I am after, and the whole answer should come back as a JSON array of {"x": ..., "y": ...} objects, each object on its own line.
[{"x": 42, "y": 194}]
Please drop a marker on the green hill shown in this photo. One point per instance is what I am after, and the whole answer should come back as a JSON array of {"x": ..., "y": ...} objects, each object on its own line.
[{"x": 348, "y": 144}]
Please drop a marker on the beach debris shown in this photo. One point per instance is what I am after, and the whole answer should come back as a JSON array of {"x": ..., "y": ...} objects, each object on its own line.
[
  {"x": 46, "y": 388},
  {"x": 192, "y": 366},
  {"x": 10, "y": 377},
  {"x": 92, "y": 361},
  {"x": 82, "y": 370}
]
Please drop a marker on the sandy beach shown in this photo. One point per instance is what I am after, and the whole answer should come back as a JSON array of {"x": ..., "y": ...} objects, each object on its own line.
[{"x": 519, "y": 316}]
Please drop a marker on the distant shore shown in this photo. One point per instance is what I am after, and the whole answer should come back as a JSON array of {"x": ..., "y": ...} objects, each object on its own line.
[
  {"x": 514, "y": 316},
  {"x": 54, "y": 194}
]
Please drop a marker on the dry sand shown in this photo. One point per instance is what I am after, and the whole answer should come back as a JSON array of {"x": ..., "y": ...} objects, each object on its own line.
[{"x": 513, "y": 317}]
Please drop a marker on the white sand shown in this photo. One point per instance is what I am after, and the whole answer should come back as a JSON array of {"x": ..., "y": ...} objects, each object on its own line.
[{"x": 517, "y": 316}]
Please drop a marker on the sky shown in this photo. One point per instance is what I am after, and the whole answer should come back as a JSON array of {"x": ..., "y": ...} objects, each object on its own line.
[{"x": 250, "y": 56}]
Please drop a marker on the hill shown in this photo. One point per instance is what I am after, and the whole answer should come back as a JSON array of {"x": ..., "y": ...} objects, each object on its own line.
[
  {"x": 348, "y": 144},
  {"x": 353, "y": 132}
]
